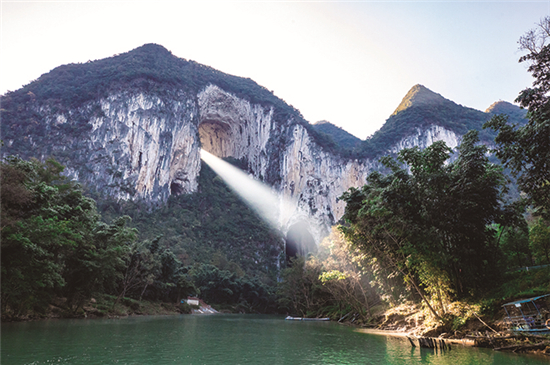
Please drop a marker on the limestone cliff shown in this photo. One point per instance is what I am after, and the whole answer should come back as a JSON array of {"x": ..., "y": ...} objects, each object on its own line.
[
  {"x": 424, "y": 137},
  {"x": 131, "y": 127},
  {"x": 143, "y": 143},
  {"x": 306, "y": 173}
]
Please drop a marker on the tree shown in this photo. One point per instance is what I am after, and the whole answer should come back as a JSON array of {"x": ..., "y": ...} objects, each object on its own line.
[
  {"x": 539, "y": 235},
  {"x": 430, "y": 223},
  {"x": 525, "y": 150},
  {"x": 301, "y": 291},
  {"x": 342, "y": 276},
  {"x": 45, "y": 220},
  {"x": 514, "y": 243}
]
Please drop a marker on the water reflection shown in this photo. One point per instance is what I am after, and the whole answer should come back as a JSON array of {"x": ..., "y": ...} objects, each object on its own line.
[
  {"x": 399, "y": 351},
  {"x": 220, "y": 339}
]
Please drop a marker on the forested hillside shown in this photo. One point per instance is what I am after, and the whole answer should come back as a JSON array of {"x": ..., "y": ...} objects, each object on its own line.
[
  {"x": 57, "y": 248},
  {"x": 343, "y": 139}
]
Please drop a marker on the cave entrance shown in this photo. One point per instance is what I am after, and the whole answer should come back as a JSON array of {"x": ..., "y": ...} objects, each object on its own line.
[
  {"x": 299, "y": 241},
  {"x": 216, "y": 137}
]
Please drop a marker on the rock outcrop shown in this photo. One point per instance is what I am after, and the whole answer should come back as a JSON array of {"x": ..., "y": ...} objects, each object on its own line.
[
  {"x": 305, "y": 173},
  {"x": 137, "y": 145}
]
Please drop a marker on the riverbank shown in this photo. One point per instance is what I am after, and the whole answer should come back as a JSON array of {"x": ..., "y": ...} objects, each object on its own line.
[
  {"x": 100, "y": 307},
  {"x": 373, "y": 331},
  {"x": 410, "y": 321}
]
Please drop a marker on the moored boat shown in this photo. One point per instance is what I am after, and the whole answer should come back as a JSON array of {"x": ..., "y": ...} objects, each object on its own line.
[
  {"x": 289, "y": 318},
  {"x": 531, "y": 315}
]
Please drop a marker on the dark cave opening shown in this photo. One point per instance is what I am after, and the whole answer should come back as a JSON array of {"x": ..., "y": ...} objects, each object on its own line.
[
  {"x": 299, "y": 241},
  {"x": 175, "y": 188}
]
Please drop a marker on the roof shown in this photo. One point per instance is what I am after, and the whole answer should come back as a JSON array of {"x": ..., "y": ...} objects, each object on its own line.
[{"x": 526, "y": 300}]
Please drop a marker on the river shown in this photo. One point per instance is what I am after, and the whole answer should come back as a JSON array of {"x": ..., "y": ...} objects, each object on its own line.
[{"x": 221, "y": 339}]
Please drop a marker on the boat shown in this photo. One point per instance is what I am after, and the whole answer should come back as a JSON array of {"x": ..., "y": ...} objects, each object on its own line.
[
  {"x": 289, "y": 318},
  {"x": 529, "y": 316}
]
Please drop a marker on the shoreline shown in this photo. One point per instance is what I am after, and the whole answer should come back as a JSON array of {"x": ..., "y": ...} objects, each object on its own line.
[
  {"x": 393, "y": 333},
  {"x": 507, "y": 343}
]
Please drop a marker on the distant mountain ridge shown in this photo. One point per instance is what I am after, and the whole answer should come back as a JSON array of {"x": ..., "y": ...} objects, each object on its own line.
[
  {"x": 422, "y": 110},
  {"x": 340, "y": 136},
  {"x": 153, "y": 69}
]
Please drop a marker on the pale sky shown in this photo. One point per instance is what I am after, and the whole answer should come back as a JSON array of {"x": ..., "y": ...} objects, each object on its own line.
[{"x": 348, "y": 62}]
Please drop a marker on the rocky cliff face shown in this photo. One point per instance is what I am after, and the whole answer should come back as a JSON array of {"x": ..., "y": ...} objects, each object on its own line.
[
  {"x": 138, "y": 136},
  {"x": 305, "y": 173},
  {"x": 135, "y": 145},
  {"x": 138, "y": 145},
  {"x": 425, "y": 137}
]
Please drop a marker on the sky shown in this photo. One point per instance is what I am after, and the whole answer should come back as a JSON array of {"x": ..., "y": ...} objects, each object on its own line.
[{"x": 348, "y": 62}]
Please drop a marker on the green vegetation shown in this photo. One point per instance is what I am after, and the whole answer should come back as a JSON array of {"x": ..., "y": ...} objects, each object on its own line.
[
  {"x": 211, "y": 226},
  {"x": 52, "y": 240},
  {"x": 524, "y": 149},
  {"x": 55, "y": 246},
  {"x": 432, "y": 232},
  {"x": 329, "y": 284},
  {"x": 344, "y": 140},
  {"x": 431, "y": 227}
]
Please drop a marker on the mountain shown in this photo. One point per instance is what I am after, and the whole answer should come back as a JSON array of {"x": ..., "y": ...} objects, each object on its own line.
[
  {"x": 515, "y": 113},
  {"x": 343, "y": 139},
  {"x": 424, "y": 116},
  {"x": 130, "y": 129}
]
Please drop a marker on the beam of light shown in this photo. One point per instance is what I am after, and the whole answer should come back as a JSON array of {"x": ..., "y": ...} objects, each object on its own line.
[{"x": 272, "y": 208}]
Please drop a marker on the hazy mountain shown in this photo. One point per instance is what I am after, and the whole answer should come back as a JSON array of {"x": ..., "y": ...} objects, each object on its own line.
[
  {"x": 342, "y": 138},
  {"x": 515, "y": 113}
]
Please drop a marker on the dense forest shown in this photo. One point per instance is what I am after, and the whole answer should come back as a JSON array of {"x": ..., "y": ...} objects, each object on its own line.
[{"x": 55, "y": 244}]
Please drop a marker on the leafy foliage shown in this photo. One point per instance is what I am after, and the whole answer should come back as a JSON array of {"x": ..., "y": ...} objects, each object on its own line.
[
  {"x": 54, "y": 244},
  {"x": 300, "y": 291},
  {"x": 46, "y": 228},
  {"x": 539, "y": 235},
  {"x": 524, "y": 149},
  {"x": 431, "y": 226},
  {"x": 328, "y": 284},
  {"x": 227, "y": 288}
]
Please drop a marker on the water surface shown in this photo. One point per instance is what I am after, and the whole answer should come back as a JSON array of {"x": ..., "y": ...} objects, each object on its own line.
[{"x": 221, "y": 339}]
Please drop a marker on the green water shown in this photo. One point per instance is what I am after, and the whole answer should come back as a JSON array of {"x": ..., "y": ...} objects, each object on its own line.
[{"x": 220, "y": 339}]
